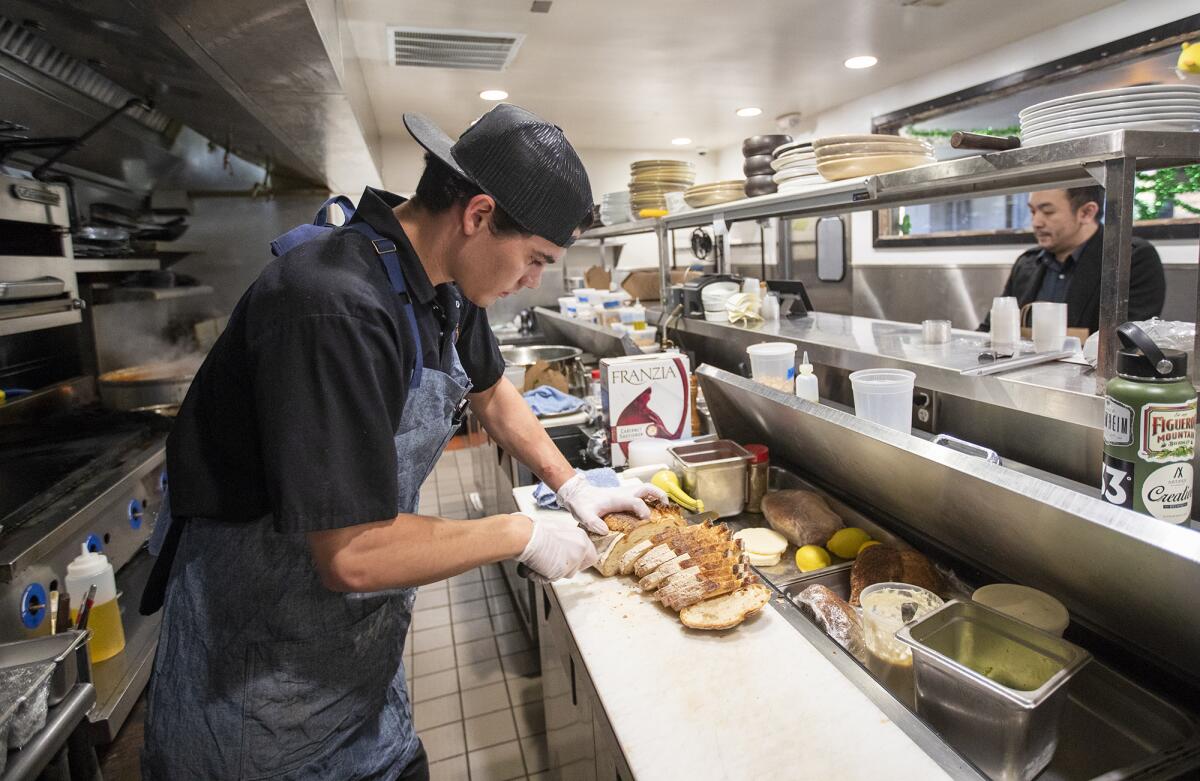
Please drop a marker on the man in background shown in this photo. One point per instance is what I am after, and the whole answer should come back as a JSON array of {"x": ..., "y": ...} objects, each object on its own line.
[{"x": 1064, "y": 267}]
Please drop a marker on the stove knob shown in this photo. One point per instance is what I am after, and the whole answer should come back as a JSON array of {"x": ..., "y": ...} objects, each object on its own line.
[
  {"x": 135, "y": 514},
  {"x": 33, "y": 606},
  {"x": 94, "y": 543}
]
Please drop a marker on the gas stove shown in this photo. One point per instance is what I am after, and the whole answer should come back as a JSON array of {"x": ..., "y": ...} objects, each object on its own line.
[{"x": 81, "y": 476}]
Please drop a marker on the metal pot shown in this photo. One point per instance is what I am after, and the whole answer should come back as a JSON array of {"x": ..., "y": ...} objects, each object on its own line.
[
  {"x": 566, "y": 359},
  {"x": 148, "y": 386}
]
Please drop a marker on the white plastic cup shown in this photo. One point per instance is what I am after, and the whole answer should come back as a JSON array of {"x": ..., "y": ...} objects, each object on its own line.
[
  {"x": 1049, "y": 326},
  {"x": 935, "y": 331},
  {"x": 774, "y": 365},
  {"x": 1006, "y": 324},
  {"x": 884, "y": 396}
]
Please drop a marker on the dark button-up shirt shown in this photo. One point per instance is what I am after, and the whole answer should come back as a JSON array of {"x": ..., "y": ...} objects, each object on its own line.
[{"x": 1057, "y": 278}]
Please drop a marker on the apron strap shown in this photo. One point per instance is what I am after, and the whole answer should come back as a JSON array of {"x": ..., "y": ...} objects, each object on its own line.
[{"x": 386, "y": 249}]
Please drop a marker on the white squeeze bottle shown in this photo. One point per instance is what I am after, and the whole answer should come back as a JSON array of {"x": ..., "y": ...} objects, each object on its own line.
[
  {"x": 806, "y": 381},
  {"x": 108, "y": 636}
]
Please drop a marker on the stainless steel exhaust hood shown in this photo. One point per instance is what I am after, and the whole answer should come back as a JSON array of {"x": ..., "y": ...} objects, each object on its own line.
[{"x": 270, "y": 80}]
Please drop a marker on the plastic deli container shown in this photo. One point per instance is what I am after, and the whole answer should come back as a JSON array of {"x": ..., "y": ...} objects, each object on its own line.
[
  {"x": 1034, "y": 607},
  {"x": 713, "y": 298},
  {"x": 886, "y": 607},
  {"x": 774, "y": 364},
  {"x": 884, "y": 396},
  {"x": 567, "y": 304}
]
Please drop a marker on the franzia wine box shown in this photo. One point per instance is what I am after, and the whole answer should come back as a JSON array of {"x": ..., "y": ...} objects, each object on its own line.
[{"x": 645, "y": 396}]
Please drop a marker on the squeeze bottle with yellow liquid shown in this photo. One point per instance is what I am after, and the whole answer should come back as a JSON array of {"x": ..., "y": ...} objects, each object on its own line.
[{"x": 108, "y": 636}]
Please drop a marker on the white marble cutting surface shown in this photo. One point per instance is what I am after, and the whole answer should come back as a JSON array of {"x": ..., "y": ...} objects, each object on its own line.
[{"x": 758, "y": 701}]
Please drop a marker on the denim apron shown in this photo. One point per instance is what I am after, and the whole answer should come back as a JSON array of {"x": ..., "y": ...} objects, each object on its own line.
[{"x": 261, "y": 671}]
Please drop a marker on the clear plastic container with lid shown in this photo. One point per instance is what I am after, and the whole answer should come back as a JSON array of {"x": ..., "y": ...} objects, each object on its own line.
[{"x": 104, "y": 619}]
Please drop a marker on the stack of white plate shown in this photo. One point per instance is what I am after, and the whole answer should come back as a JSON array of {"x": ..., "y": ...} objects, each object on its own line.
[
  {"x": 851, "y": 156},
  {"x": 718, "y": 192},
  {"x": 614, "y": 208},
  {"x": 795, "y": 167},
  {"x": 1152, "y": 107},
  {"x": 651, "y": 180}
]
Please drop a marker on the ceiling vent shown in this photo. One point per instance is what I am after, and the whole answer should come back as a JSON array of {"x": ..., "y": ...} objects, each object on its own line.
[{"x": 463, "y": 49}]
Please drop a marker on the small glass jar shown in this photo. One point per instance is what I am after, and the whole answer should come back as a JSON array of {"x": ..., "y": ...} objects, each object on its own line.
[{"x": 757, "y": 477}]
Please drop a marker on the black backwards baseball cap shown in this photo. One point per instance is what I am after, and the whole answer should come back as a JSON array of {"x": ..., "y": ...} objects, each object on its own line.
[{"x": 521, "y": 160}]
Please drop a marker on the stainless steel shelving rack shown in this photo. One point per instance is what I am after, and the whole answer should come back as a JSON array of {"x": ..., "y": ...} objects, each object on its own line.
[{"x": 1109, "y": 159}]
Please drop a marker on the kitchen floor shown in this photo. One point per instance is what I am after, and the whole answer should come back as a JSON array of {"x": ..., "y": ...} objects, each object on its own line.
[{"x": 472, "y": 672}]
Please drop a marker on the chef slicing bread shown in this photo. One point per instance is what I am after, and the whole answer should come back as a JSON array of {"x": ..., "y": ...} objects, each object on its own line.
[{"x": 289, "y": 558}]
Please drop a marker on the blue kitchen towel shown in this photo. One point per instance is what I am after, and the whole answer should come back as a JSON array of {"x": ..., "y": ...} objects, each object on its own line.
[
  {"x": 544, "y": 400},
  {"x": 601, "y": 478}
]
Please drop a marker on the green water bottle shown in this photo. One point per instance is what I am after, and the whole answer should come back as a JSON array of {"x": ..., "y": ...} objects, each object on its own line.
[{"x": 1149, "y": 429}]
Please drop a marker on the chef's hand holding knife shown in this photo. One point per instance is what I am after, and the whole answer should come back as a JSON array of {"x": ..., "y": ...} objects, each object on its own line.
[{"x": 557, "y": 548}]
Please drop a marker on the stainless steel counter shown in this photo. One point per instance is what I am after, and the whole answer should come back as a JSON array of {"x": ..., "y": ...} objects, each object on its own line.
[{"x": 1066, "y": 392}]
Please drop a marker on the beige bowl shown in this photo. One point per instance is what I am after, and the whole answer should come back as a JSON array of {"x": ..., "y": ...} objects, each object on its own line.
[
  {"x": 874, "y": 147},
  {"x": 851, "y": 167}
]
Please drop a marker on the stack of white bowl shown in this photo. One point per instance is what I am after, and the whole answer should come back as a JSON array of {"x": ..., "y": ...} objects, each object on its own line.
[
  {"x": 795, "y": 167},
  {"x": 1149, "y": 107},
  {"x": 851, "y": 156},
  {"x": 614, "y": 208},
  {"x": 714, "y": 297}
]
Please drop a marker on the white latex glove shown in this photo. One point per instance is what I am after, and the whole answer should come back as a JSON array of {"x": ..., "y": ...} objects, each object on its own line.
[
  {"x": 557, "y": 549},
  {"x": 588, "y": 502}
]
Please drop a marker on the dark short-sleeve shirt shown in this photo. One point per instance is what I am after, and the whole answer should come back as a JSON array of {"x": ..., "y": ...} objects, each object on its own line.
[{"x": 294, "y": 410}]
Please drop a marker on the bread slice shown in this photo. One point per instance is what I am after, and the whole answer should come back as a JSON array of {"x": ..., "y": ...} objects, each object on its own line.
[
  {"x": 635, "y": 530},
  {"x": 692, "y": 584},
  {"x": 674, "y": 542},
  {"x": 704, "y": 590},
  {"x": 726, "y": 612},
  {"x": 606, "y": 564},
  {"x": 708, "y": 556},
  {"x": 633, "y": 538}
]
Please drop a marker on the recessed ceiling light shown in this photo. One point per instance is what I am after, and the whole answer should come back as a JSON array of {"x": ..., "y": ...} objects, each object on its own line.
[
  {"x": 682, "y": 141},
  {"x": 858, "y": 63},
  {"x": 493, "y": 94},
  {"x": 749, "y": 111}
]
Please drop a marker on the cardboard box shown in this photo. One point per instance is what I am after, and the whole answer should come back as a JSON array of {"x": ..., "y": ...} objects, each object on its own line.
[
  {"x": 645, "y": 396},
  {"x": 643, "y": 285}
]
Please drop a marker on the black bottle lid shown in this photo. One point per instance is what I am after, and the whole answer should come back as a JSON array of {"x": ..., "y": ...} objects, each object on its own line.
[
  {"x": 1170, "y": 365},
  {"x": 1141, "y": 358}
]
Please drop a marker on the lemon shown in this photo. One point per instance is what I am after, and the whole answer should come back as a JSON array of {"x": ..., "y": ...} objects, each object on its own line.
[
  {"x": 866, "y": 545},
  {"x": 845, "y": 542},
  {"x": 811, "y": 557}
]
